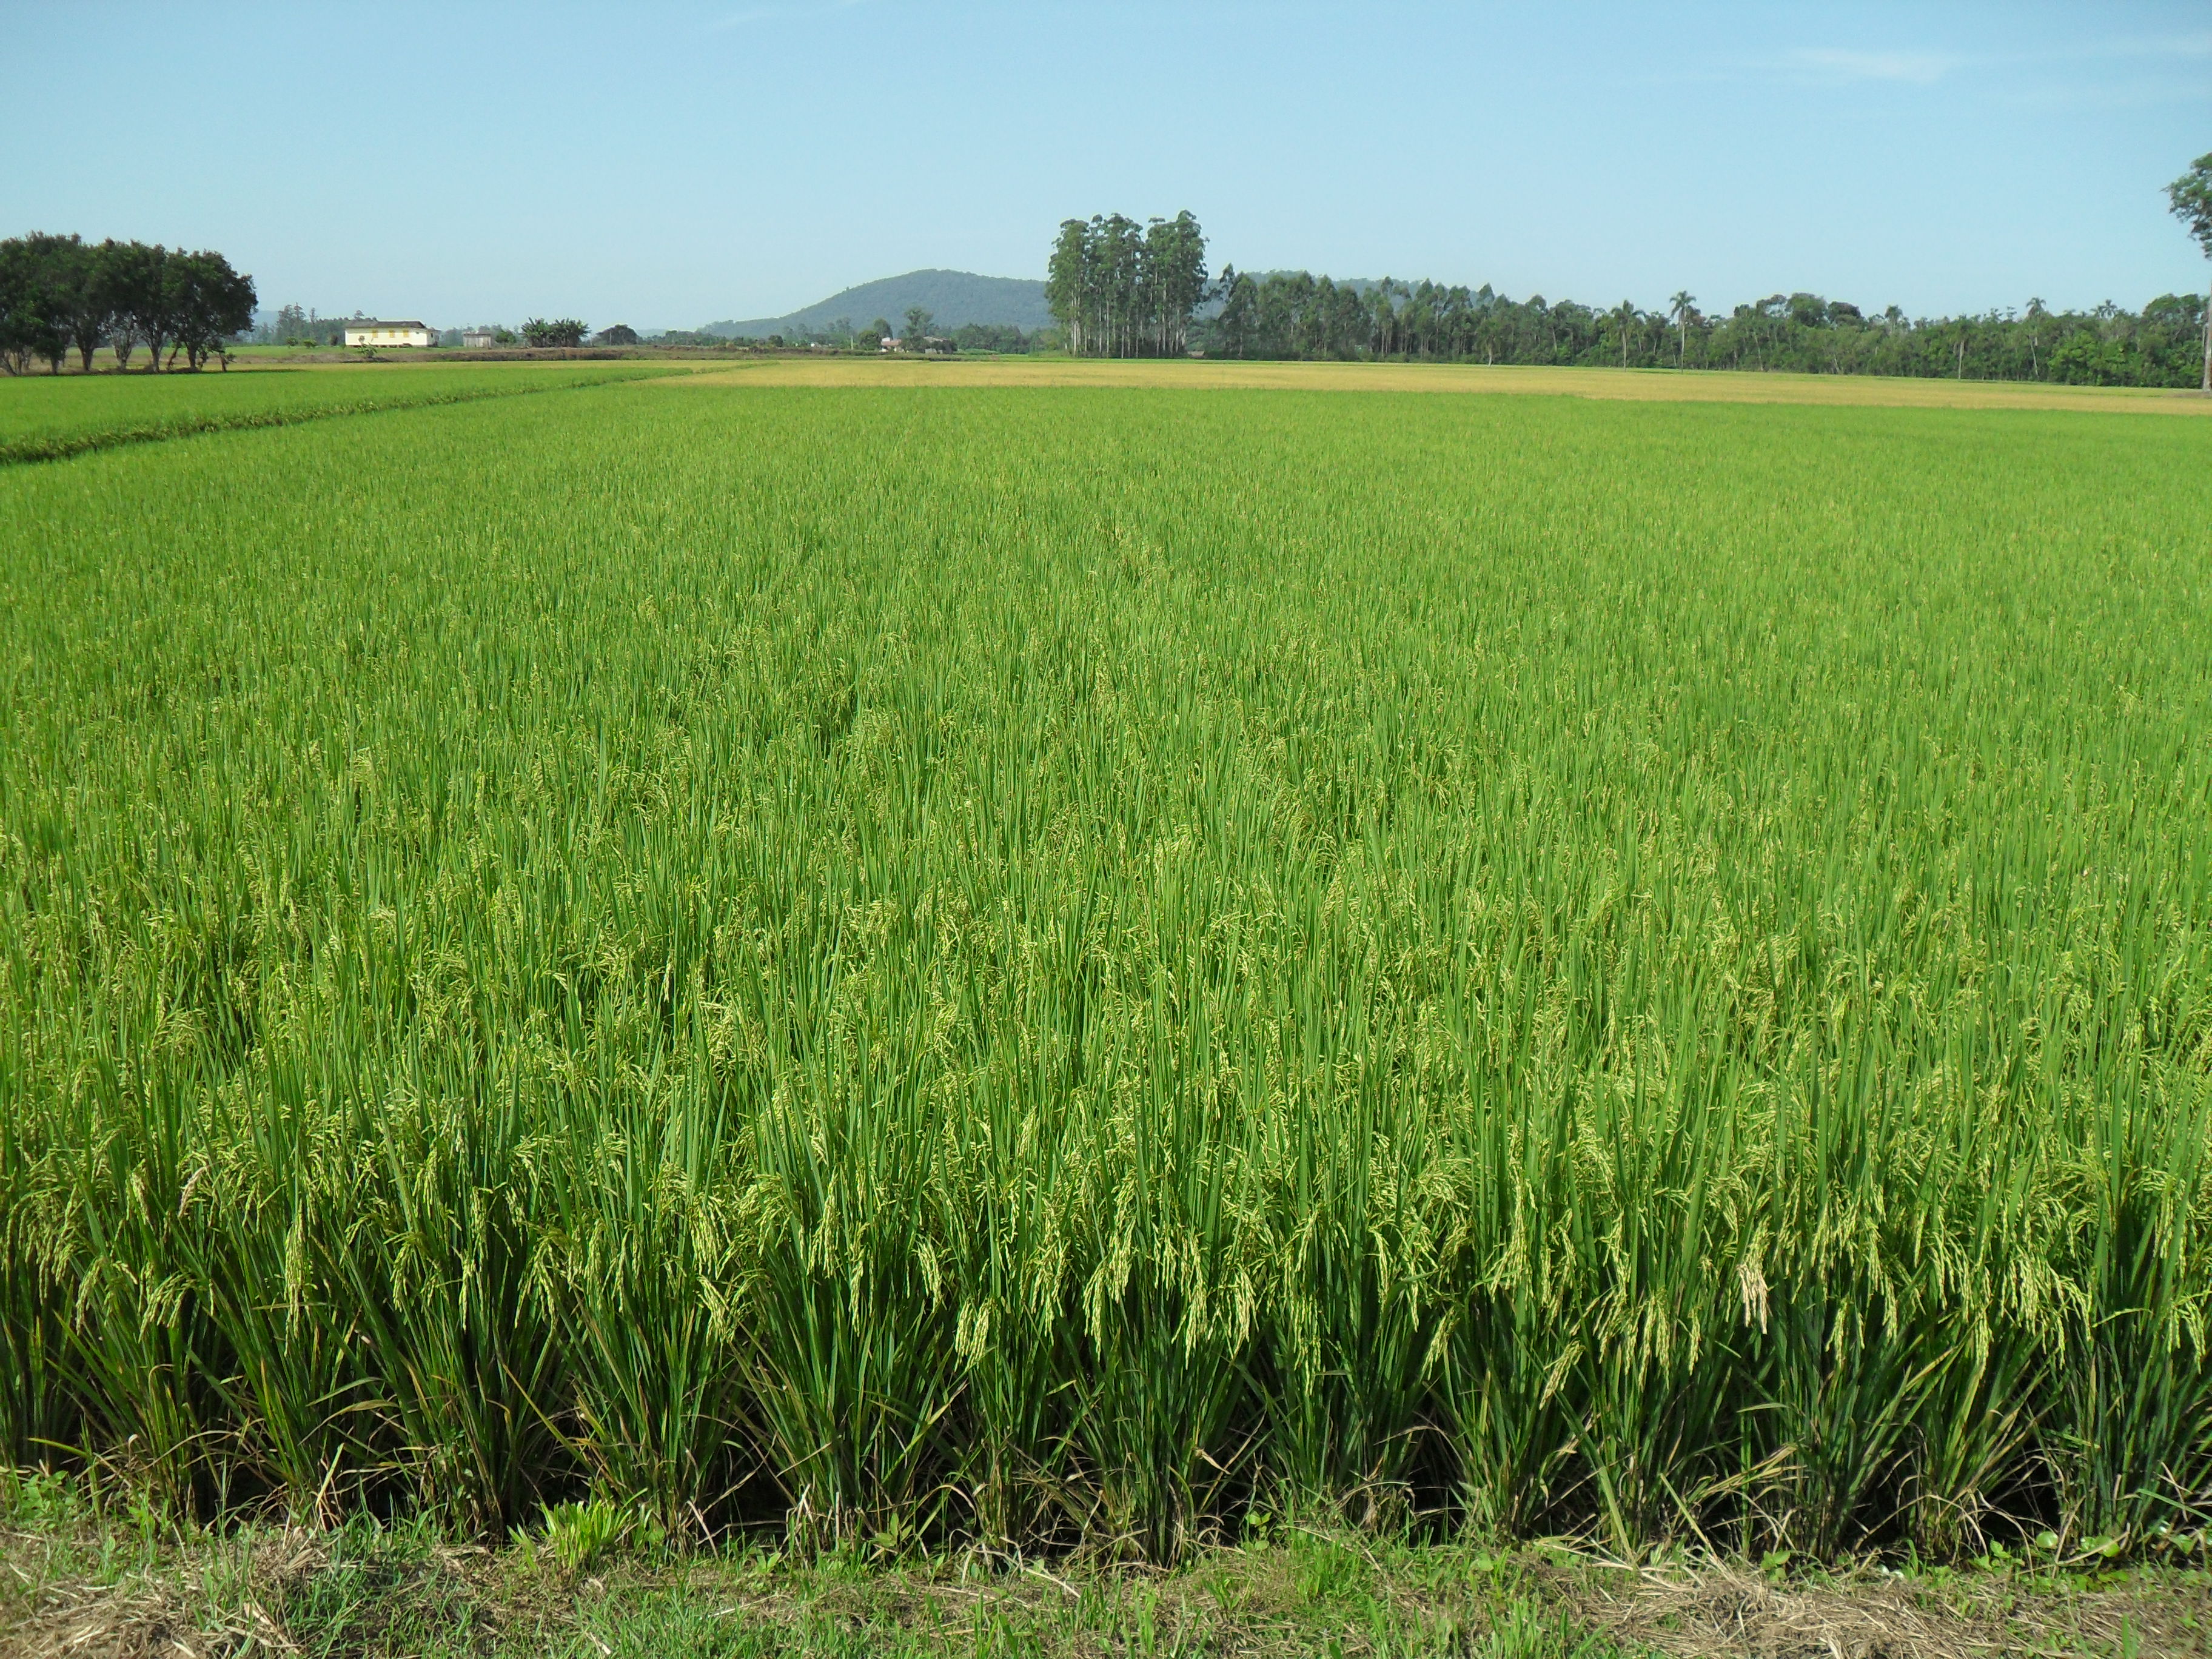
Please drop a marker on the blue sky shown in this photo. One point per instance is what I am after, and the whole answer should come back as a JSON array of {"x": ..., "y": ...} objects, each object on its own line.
[{"x": 667, "y": 162}]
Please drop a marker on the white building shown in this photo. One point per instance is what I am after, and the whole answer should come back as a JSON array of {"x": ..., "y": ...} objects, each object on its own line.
[
  {"x": 389, "y": 334},
  {"x": 476, "y": 339}
]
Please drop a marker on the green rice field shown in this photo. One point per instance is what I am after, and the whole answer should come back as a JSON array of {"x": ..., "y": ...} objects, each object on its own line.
[
  {"x": 1063, "y": 967},
  {"x": 47, "y": 416}
]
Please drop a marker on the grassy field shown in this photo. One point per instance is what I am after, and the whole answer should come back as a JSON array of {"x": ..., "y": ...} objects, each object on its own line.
[
  {"x": 79, "y": 1578},
  {"x": 46, "y": 417},
  {"x": 1075, "y": 966}
]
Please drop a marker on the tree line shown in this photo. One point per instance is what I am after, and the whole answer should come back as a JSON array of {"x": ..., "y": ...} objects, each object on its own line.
[
  {"x": 1295, "y": 315},
  {"x": 1119, "y": 289},
  {"x": 919, "y": 329},
  {"x": 60, "y": 295}
]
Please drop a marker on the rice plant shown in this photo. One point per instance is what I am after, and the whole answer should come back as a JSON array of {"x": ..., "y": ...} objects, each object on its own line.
[
  {"x": 43, "y": 418},
  {"x": 1049, "y": 967}
]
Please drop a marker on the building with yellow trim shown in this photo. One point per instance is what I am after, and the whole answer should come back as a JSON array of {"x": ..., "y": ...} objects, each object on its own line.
[{"x": 372, "y": 333}]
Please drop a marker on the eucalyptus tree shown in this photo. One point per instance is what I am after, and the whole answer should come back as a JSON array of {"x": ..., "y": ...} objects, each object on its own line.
[
  {"x": 1237, "y": 327},
  {"x": 1067, "y": 281},
  {"x": 1174, "y": 280},
  {"x": 1119, "y": 289},
  {"x": 2189, "y": 196},
  {"x": 1121, "y": 259}
]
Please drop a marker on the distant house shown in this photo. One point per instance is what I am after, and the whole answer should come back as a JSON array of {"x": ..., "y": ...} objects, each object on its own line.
[
  {"x": 892, "y": 343},
  {"x": 476, "y": 339},
  {"x": 370, "y": 333}
]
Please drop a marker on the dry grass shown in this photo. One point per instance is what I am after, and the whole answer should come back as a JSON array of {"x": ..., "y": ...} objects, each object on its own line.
[
  {"x": 1707, "y": 1612},
  {"x": 1636, "y": 384},
  {"x": 379, "y": 1596}
]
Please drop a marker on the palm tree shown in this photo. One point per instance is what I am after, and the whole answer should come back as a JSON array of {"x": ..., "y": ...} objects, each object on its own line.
[
  {"x": 1625, "y": 314},
  {"x": 1682, "y": 302}
]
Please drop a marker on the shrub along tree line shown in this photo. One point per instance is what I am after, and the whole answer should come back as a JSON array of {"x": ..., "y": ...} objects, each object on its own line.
[
  {"x": 62, "y": 293},
  {"x": 560, "y": 331}
]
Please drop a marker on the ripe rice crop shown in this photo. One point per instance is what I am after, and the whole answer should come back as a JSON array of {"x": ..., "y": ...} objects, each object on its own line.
[
  {"x": 1636, "y": 385},
  {"x": 44, "y": 418},
  {"x": 1056, "y": 966}
]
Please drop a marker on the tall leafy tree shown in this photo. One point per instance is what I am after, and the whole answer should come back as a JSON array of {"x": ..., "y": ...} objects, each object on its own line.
[
  {"x": 74, "y": 306},
  {"x": 1120, "y": 244},
  {"x": 1681, "y": 306},
  {"x": 1067, "y": 274},
  {"x": 1240, "y": 313},
  {"x": 1120, "y": 289},
  {"x": 33, "y": 301},
  {"x": 1624, "y": 319},
  {"x": 21, "y": 306},
  {"x": 1175, "y": 279},
  {"x": 145, "y": 296},
  {"x": 2191, "y": 198},
  {"x": 214, "y": 305},
  {"x": 92, "y": 301}
]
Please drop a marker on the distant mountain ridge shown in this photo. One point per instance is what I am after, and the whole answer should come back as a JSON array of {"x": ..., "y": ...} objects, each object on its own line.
[{"x": 954, "y": 298}]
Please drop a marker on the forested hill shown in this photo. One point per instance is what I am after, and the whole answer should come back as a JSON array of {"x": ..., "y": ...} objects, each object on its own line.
[{"x": 954, "y": 299}]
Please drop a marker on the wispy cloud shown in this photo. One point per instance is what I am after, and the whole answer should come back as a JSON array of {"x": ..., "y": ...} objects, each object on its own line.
[
  {"x": 1844, "y": 64},
  {"x": 2116, "y": 72}
]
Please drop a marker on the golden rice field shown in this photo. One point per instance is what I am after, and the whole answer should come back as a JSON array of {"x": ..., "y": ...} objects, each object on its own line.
[
  {"x": 1635, "y": 384},
  {"x": 1056, "y": 964}
]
